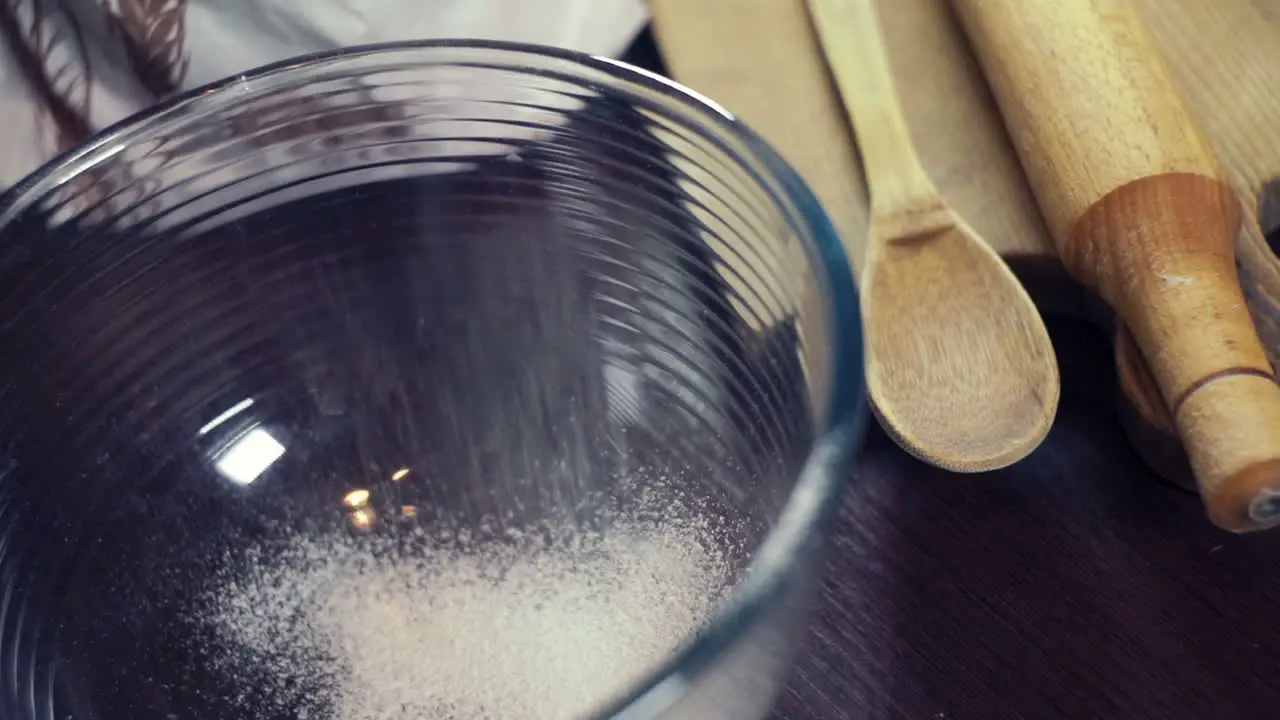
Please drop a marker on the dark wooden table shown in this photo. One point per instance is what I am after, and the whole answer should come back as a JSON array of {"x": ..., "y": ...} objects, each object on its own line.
[{"x": 1073, "y": 585}]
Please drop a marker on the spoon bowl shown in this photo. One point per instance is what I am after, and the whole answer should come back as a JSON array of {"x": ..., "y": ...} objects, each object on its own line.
[
  {"x": 960, "y": 368},
  {"x": 952, "y": 382}
]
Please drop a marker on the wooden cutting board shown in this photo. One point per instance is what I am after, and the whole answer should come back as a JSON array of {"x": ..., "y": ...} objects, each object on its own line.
[{"x": 760, "y": 59}]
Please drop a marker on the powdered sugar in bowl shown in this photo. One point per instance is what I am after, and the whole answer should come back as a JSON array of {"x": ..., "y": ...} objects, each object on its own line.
[{"x": 446, "y": 380}]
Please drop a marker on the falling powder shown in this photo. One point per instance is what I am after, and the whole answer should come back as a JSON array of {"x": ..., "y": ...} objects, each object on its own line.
[{"x": 533, "y": 626}]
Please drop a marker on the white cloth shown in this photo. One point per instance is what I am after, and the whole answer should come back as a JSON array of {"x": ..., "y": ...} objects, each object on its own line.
[{"x": 71, "y": 67}]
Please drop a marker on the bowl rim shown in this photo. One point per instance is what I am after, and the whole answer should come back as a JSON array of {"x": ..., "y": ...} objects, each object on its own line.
[{"x": 815, "y": 497}]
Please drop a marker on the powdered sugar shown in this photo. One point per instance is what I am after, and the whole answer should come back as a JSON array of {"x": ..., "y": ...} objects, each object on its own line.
[{"x": 434, "y": 623}]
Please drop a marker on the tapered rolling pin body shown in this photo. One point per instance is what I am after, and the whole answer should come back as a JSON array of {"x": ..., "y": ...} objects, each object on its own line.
[{"x": 1140, "y": 213}]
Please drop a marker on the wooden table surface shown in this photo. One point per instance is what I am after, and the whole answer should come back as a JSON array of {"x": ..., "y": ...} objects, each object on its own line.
[{"x": 1072, "y": 585}]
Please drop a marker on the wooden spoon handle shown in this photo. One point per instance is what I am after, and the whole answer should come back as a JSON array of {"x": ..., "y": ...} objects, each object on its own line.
[
  {"x": 850, "y": 35},
  {"x": 1139, "y": 212}
]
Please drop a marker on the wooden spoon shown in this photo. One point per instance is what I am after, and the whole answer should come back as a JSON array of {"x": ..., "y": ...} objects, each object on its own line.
[
  {"x": 1140, "y": 212},
  {"x": 960, "y": 368}
]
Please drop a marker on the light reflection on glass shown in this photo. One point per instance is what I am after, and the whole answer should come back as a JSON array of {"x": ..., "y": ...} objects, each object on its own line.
[
  {"x": 245, "y": 459},
  {"x": 356, "y": 498},
  {"x": 400, "y": 474},
  {"x": 362, "y": 518},
  {"x": 226, "y": 415}
]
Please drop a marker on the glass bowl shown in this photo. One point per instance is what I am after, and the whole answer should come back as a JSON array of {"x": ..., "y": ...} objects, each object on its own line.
[{"x": 451, "y": 379}]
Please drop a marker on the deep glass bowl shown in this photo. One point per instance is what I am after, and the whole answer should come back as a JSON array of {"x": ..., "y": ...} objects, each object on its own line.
[{"x": 374, "y": 313}]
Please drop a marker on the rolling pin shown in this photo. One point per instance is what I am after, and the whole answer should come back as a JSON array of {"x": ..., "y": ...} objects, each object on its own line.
[{"x": 1141, "y": 214}]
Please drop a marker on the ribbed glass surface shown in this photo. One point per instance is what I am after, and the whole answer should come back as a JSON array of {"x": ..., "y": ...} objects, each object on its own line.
[{"x": 490, "y": 283}]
